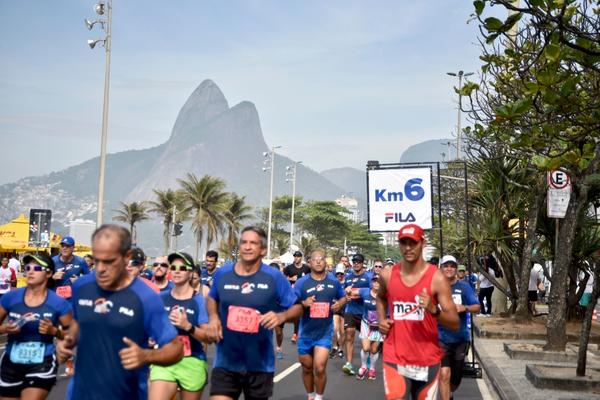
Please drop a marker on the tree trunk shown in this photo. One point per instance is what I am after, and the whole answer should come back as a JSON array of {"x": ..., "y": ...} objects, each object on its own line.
[
  {"x": 584, "y": 338},
  {"x": 523, "y": 313},
  {"x": 166, "y": 235}
]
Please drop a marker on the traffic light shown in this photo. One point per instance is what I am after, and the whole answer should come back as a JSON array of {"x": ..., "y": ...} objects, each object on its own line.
[{"x": 177, "y": 229}]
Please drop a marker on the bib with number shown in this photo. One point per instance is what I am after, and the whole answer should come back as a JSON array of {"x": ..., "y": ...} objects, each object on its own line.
[
  {"x": 415, "y": 372},
  {"x": 187, "y": 346},
  {"x": 319, "y": 310},
  {"x": 243, "y": 319},
  {"x": 27, "y": 353},
  {"x": 64, "y": 291},
  {"x": 456, "y": 298}
]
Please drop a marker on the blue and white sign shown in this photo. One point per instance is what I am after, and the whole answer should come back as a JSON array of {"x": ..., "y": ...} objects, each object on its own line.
[{"x": 398, "y": 197}]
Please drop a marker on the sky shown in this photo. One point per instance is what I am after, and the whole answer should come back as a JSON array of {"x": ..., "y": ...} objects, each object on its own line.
[{"x": 335, "y": 83}]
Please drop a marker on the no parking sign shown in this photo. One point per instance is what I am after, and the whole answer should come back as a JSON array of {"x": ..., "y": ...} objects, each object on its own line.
[{"x": 559, "y": 193}]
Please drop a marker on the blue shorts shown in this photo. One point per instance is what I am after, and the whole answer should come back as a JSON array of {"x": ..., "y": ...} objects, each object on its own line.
[{"x": 306, "y": 345}]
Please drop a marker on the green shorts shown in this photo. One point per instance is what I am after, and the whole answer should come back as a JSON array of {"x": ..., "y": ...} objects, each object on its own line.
[{"x": 189, "y": 373}]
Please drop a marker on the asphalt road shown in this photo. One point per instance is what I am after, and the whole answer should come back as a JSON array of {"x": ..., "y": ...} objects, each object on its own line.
[{"x": 288, "y": 381}]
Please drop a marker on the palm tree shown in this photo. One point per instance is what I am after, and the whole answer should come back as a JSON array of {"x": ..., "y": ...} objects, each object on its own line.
[
  {"x": 207, "y": 201},
  {"x": 307, "y": 244},
  {"x": 166, "y": 201},
  {"x": 132, "y": 213},
  {"x": 237, "y": 211}
]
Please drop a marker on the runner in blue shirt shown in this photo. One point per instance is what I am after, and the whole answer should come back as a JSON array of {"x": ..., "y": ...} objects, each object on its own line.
[
  {"x": 369, "y": 331},
  {"x": 321, "y": 295},
  {"x": 208, "y": 272},
  {"x": 68, "y": 267},
  {"x": 359, "y": 278},
  {"x": 187, "y": 312},
  {"x": 454, "y": 343},
  {"x": 28, "y": 366},
  {"x": 115, "y": 315},
  {"x": 246, "y": 302},
  {"x": 160, "y": 274}
]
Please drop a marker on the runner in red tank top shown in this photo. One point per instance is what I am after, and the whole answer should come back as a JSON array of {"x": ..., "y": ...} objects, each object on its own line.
[{"x": 413, "y": 297}]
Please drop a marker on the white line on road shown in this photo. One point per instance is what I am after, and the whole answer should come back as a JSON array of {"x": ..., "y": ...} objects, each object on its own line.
[
  {"x": 286, "y": 372},
  {"x": 483, "y": 389}
]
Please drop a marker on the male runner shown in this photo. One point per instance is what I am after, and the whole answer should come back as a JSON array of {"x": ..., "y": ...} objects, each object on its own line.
[
  {"x": 415, "y": 294},
  {"x": 346, "y": 261},
  {"x": 210, "y": 261},
  {"x": 293, "y": 272},
  {"x": 320, "y": 295},
  {"x": 114, "y": 316},
  {"x": 454, "y": 344},
  {"x": 161, "y": 278},
  {"x": 69, "y": 268},
  {"x": 136, "y": 266},
  {"x": 359, "y": 278},
  {"x": 246, "y": 301},
  {"x": 339, "y": 337}
]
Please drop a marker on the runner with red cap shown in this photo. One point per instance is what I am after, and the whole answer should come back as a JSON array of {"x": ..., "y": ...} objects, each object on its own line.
[{"x": 416, "y": 296}]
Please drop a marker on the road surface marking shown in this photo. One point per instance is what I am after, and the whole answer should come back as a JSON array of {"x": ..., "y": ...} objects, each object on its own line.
[
  {"x": 286, "y": 372},
  {"x": 483, "y": 389}
]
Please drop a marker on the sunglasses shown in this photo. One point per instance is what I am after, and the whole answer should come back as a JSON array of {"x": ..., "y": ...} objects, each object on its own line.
[
  {"x": 180, "y": 268},
  {"x": 378, "y": 266},
  {"x": 36, "y": 268},
  {"x": 163, "y": 265}
]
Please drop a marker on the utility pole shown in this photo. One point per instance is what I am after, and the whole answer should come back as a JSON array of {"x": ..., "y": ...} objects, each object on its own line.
[
  {"x": 291, "y": 176},
  {"x": 460, "y": 75},
  {"x": 270, "y": 165}
]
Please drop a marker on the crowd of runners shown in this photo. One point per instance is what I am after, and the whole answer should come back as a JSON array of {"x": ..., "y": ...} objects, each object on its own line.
[{"x": 126, "y": 331}]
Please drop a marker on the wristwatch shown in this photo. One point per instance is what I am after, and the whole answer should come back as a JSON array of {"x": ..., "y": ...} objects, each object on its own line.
[
  {"x": 191, "y": 329},
  {"x": 437, "y": 311}
]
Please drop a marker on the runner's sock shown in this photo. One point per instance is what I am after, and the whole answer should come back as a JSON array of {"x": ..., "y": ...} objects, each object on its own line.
[
  {"x": 363, "y": 358},
  {"x": 374, "y": 358},
  {"x": 311, "y": 395},
  {"x": 318, "y": 396}
]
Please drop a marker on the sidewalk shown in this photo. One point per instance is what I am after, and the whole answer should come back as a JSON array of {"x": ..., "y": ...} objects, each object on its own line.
[{"x": 507, "y": 376}]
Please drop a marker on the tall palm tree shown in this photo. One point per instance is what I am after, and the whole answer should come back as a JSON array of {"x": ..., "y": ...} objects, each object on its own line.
[
  {"x": 132, "y": 213},
  {"x": 207, "y": 201},
  {"x": 166, "y": 201},
  {"x": 237, "y": 212}
]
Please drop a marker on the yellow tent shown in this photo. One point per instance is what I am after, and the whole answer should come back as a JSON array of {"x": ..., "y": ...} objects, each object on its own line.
[{"x": 14, "y": 236}]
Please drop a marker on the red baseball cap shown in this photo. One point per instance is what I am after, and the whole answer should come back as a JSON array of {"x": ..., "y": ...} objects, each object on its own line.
[{"x": 411, "y": 231}]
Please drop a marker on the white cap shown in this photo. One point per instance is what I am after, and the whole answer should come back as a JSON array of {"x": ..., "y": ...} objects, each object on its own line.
[
  {"x": 340, "y": 269},
  {"x": 447, "y": 259}
]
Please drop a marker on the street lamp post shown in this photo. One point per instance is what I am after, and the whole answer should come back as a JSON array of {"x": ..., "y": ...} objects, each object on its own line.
[
  {"x": 291, "y": 177},
  {"x": 460, "y": 75},
  {"x": 101, "y": 8},
  {"x": 270, "y": 165}
]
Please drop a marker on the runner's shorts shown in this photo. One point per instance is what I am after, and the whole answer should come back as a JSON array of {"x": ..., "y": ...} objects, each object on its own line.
[
  {"x": 16, "y": 377},
  {"x": 369, "y": 332},
  {"x": 454, "y": 358},
  {"x": 398, "y": 386},
  {"x": 190, "y": 373},
  {"x": 307, "y": 345},
  {"x": 352, "y": 320},
  {"x": 254, "y": 385}
]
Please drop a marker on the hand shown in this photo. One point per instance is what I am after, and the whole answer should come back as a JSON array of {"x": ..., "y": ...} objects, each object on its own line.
[
  {"x": 272, "y": 319},
  {"x": 424, "y": 300},
  {"x": 385, "y": 326},
  {"x": 214, "y": 330},
  {"x": 294, "y": 278},
  {"x": 58, "y": 275},
  {"x": 46, "y": 327},
  {"x": 460, "y": 308},
  {"x": 12, "y": 328},
  {"x": 64, "y": 348},
  {"x": 179, "y": 318},
  {"x": 132, "y": 356},
  {"x": 335, "y": 307},
  {"x": 308, "y": 302}
]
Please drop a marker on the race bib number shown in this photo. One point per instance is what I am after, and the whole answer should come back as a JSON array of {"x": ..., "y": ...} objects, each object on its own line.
[
  {"x": 27, "y": 353},
  {"x": 319, "y": 310},
  {"x": 187, "y": 346},
  {"x": 64, "y": 291},
  {"x": 407, "y": 311},
  {"x": 415, "y": 372},
  {"x": 372, "y": 318},
  {"x": 457, "y": 298},
  {"x": 243, "y": 319}
]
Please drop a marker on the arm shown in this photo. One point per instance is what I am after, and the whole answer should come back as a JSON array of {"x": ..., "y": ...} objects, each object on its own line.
[
  {"x": 65, "y": 346},
  {"x": 133, "y": 356},
  {"x": 385, "y": 323},
  {"x": 214, "y": 328},
  {"x": 448, "y": 317}
]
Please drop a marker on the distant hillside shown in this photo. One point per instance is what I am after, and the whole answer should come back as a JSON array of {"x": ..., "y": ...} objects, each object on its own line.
[
  {"x": 351, "y": 180},
  {"x": 430, "y": 150}
]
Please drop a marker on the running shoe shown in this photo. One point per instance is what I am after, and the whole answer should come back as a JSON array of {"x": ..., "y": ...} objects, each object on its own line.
[
  {"x": 372, "y": 374},
  {"x": 348, "y": 369},
  {"x": 341, "y": 353},
  {"x": 279, "y": 354},
  {"x": 362, "y": 372},
  {"x": 294, "y": 338},
  {"x": 333, "y": 352}
]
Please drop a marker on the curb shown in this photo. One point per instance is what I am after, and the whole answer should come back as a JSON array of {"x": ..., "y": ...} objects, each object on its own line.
[{"x": 499, "y": 382}]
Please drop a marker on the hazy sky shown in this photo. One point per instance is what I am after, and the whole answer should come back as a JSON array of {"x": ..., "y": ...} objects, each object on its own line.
[{"x": 335, "y": 83}]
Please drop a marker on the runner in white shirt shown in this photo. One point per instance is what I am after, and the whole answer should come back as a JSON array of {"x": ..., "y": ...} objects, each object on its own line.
[{"x": 8, "y": 278}]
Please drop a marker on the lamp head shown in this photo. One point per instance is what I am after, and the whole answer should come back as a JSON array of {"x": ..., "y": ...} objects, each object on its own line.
[
  {"x": 89, "y": 24},
  {"x": 92, "y": 43},
  {"x": 99, "y": 8}
]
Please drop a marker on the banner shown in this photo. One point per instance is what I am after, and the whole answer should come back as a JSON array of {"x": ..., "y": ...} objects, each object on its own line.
[
  {"x": 39, "y": 227},
  {"x": 397, "y": 197}
]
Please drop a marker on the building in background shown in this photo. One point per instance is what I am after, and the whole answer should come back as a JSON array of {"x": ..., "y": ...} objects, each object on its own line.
[
  {"x": 350, "y": 204},
  {"x": 81, "y": 230}
]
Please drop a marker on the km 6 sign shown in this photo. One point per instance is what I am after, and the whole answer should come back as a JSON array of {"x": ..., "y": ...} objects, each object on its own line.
[{"x": 399, "y": 196}]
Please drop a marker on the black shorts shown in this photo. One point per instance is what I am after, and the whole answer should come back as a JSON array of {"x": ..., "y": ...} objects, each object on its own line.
[
  {"x": 532, "y": 295},
  {"x": 23, "y": 376},
  {"x": 254, "y": 385},
  {"x": 454, "y": 358},
  {"x": 352, "y": 320}
]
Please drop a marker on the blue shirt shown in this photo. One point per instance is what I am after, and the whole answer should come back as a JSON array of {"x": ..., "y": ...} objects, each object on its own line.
[
  {"x": 264, "y": 291},
  {"x": 369, "y": 306},
  {"x": 461, "y": 294},
  {"x": 206, "y": 277},
  {"x": 325, "y": 291},
  {"x": 52, "y": 309},
  {"x": 355, "y": 306},
  {"x": 105, "y": 317},
  {"x": 166, "y": 289},
  {"x": 195, "y": 310},
  {"x": 76, "y": 267}
]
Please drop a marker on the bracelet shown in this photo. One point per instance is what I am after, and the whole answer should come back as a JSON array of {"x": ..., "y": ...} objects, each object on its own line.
[
  {"x": 191, "y": 329},
  {"x": 58, "y": 334},
  {"x": 437, "y": 312}
]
